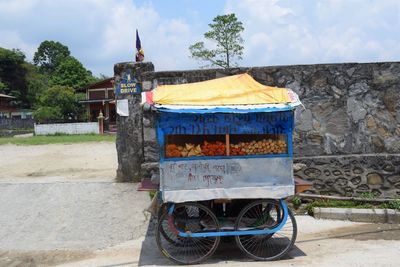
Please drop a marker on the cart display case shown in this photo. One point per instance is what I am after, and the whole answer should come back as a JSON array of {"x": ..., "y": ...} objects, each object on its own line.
[
  {"x": 225, "y": 155},
  {"x": 225, "y": 168}
]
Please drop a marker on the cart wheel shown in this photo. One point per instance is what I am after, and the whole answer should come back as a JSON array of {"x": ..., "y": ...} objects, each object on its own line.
[
  {"x": 265, "y": 214},
  {"x": 187, "y": 217},
  {"x": 163, "y": 228}
]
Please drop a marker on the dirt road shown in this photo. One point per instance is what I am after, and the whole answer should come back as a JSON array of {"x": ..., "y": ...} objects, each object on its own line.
[
  {"x": 58, "y": 162},
  {"x": 60, "y": 207},
  {"x": 59, "y": 204}
]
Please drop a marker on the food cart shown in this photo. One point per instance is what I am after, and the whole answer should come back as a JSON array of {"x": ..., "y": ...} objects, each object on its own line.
[{"x": 225, "y": 167}]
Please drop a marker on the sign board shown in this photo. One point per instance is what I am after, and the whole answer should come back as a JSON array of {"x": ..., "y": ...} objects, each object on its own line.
[
  {"x": 127, "y": 85},
  {"x": 198, "y": 180},
  {"x": 227, "y": 123}
]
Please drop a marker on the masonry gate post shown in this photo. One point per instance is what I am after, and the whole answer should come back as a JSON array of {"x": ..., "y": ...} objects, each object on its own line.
[{"x": 129, "y": 141}]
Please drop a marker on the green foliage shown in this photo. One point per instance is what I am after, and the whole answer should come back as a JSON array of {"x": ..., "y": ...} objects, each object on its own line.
[
  {"x": 70, "y": 72},
  {"x": 45, "y": 113},
  {"x": 54, "y": 60},
  {"x": 12, "y": 75},
  {"x": 19, "y": 78},
  {"x": 328, "y": 203},
  {"x": 30, "y": 83},
  {"x": 392, "y": 204},
  {"x": 10, "y": 58},
  {"x": 59, "y": 103},
  {"x": 226, "y": 34},
  {"x": 3, "y": 87},
  {"x": 368, "y": 195},
  {"x": 36, "y": 83},
  {"x": 49, "y": 55},
  {"x": 296, "y": 201},
  {"x": 152, "y": 194},
  {"x": 57, "y": 139}
]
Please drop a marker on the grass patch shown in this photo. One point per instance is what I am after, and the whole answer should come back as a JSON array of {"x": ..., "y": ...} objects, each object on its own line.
[
  {"x": 152, "y": 195},
  {"x": 57, "y": 139},
  {"x": 327, "y": 203},
  {"x": 393, "y": 204}
]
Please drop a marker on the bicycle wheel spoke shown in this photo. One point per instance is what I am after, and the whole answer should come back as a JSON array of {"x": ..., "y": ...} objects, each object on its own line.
[
  {"x": 187, "y": 217},
  {"x": 265, "y": 214}
]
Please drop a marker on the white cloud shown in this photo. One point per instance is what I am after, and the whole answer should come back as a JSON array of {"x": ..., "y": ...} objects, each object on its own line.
[
  {"x": 102, "y": 32},
  {"x": 289, "y": 32},
  {"x": 165, "y": 41},
  {"x": 98, "y": 32},
  {"x": 122, "y": 20},
  {"x": 16, "y": 8},
  {"x": 12, "y": 39}
]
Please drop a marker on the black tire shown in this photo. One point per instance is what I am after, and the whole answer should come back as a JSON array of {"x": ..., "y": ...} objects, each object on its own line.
[
  {"x": 265, "y": 214},
  {"x": 187, "y": 217},
  {"x": 170, "y": 237}
]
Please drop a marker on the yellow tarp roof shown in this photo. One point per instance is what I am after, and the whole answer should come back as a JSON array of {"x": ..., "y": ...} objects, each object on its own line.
[{"x": 239, "y": 89}]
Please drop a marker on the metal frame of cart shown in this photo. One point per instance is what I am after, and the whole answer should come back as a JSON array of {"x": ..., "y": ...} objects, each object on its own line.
[{"x": 189, "y": 229}]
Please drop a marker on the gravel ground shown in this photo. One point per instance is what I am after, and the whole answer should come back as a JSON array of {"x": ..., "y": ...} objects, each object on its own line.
[
  {"x": 70, "y": 215},
  {"x": 58, "y": 162},
  {"x": 319, "y": 243},
  {"x": 59, "y": 203},
  {"x": 60, "y": 207},
  {"x": 51, "y": 223}
]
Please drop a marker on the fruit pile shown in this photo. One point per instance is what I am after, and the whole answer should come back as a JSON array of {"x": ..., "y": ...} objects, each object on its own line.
[
  {"x": 265, "y": 146},
  {"x": 188, "y": 150},
  {"x": 236, "y": 151},
  {"x": 213, "y": 149},
  {"x": 172, "y": 151}
]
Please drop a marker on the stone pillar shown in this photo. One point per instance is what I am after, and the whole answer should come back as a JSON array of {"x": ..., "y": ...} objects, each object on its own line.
[{"x": 130, "y": 129}]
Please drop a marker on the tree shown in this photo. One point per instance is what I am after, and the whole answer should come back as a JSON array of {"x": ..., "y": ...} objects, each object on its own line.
[
  {"x": 226, "y": 33},
  {"x": 27, "y": 82},
  {"x": 36, "y": 83},
  {"x": 59, "y": 103},
  {"x": 12, "y": 72},
  {"x": 49, "y": 55},
  {"x": 12, "y": 75},
  {"x": 3, "y": 87},
  {"x": 70, "y": 72}
]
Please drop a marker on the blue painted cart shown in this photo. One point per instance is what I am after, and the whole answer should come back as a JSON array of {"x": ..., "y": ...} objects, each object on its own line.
[{"x": 238, "y": 191}]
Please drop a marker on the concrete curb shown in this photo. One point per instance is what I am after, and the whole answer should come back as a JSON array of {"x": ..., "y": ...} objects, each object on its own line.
[{"x": 358, "y": 215}]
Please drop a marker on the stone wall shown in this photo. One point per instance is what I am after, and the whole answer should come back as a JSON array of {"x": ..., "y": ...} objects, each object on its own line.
[
  {"x": 350, "y": 110},
  {"x": 67, "y": 128},
  {"x": 352, "y": 175}
]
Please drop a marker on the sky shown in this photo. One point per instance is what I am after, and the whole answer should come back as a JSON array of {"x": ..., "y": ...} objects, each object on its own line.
[{"x": 100, "y": 33}]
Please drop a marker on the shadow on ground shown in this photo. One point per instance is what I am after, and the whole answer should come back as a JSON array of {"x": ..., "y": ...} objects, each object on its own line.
[{"x": 227, "y": 251}]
